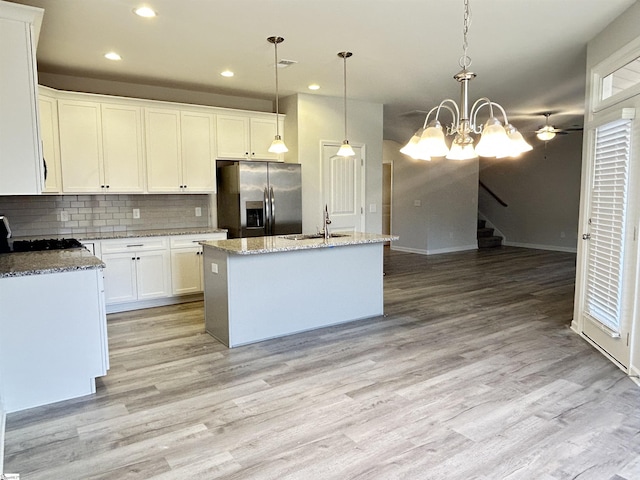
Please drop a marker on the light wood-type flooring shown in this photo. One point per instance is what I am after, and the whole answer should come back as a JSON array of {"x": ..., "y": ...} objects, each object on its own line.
[{"x": 473, "y": 374}]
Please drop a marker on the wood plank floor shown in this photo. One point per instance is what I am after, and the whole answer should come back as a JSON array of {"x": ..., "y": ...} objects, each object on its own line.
[{"x": 473, "y": 374}]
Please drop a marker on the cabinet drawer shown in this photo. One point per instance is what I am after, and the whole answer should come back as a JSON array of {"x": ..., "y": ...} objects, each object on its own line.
[
  {"x": 185, "y": 241},
  {"x": 134, "y": 244}
]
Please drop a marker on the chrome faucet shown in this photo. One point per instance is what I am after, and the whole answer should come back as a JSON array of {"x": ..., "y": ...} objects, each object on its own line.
[{"x": 327, "y": 222}]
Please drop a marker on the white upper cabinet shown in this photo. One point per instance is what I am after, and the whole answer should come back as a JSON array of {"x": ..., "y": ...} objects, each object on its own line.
[
  {"x": 50, "y": 143},
  {"x": 122, "y": 148},
  {"x": 180, "y": 151},
  {"x": 100, "y": 147},
  {"x": 245, "y": 137},
  {"x": 20, "y": 147}
]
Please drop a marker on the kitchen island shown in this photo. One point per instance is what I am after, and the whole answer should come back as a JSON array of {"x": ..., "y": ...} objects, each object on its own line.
[
  {"x": 53, "y": 330},
  {"x": 267, "y": 287}
]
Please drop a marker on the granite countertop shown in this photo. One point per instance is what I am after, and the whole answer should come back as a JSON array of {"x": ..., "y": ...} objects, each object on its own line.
[
  {"x": 50, "y": 261},
  {"x": 149, "y": 233},
  {"x": 129, "y": 234},
  {"x": 286, "y": 243}
]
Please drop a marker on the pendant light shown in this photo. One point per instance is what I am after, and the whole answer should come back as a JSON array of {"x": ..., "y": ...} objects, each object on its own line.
[
  {"x": 277, "y": 146},
  {"x": 345, "y": 148},
  {"x": 498, "y": 139}
]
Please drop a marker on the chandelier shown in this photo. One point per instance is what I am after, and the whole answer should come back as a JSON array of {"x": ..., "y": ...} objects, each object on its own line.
[{"x": 497, "y": 139}]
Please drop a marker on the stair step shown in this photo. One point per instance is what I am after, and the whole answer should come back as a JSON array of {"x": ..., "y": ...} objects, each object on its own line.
[
  {"x": 485, "y": 232},
  {"x": 489, "y": 242}
]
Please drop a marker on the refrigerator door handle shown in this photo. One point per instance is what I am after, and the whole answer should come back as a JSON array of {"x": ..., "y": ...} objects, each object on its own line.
[
  {"x": 267, "y": 213},
  {"x": 273, "y": 210}
]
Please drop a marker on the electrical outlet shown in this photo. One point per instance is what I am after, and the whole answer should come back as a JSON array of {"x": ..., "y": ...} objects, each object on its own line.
[
  {"x": 64, "y": 216},
  {"x": 136, "y": 213},
  {"x": 417, "y": 203},
  {"x": 198, "y": 211}
]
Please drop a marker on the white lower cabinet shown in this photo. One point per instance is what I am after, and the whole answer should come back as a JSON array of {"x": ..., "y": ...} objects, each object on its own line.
[
  {"x": 137, "y": 269},
  {"x": 143, "y": 272},
  {"x": 186, "y": 262}
]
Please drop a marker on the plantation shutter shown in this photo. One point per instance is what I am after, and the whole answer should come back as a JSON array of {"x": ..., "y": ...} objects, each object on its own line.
[{"x": 607, "y": 224}]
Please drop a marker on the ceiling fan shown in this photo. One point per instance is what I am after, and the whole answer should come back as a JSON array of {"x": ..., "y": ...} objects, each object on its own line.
[{"x": 548, "y": 132}]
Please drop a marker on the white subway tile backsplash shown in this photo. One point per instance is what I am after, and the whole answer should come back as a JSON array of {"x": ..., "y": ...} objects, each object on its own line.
[{"x": 40, "y": 215}]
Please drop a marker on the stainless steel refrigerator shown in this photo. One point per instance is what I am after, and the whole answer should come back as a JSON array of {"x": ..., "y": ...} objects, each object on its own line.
[{"x": 259, "y": 198}]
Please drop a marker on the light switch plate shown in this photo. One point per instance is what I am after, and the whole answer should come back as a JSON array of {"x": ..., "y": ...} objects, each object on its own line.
[
  {"x": 64, "y": 216},
  {"x": 198, "y": 211},
  {"x": 214, "y": 268},
  {"x": 417, "y": 203},
  {"x": 373, "y": 208},
  {"x": 136, "y": 213}
]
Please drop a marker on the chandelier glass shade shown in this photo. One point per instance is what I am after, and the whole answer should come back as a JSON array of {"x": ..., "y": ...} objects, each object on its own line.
[
  {"x": 277, "y": 146},
  {"x": 497, "y": 139}
]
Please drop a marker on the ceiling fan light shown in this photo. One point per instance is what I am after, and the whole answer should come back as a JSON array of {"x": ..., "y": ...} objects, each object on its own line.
[
  {"x": 494, "y": 141},
  {"x": 346, "y": 150},
  {"x": 432, "y": 142},
  {"x": 278, "y": 146},
  {"x": 545, "y": 134}
]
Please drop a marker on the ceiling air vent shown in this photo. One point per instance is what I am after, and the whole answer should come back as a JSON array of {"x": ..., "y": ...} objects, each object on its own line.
[{"x": 286, "y": 63}]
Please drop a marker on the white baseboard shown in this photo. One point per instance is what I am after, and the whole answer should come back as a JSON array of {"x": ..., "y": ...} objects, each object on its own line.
[
  {"x": 435, "y": 251},
  {"x": 536, "y": 246},
  {"x": 156, "y": 302}
]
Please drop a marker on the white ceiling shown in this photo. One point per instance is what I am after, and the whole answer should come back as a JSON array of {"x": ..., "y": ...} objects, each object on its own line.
[{"x": 529, "y": 54}]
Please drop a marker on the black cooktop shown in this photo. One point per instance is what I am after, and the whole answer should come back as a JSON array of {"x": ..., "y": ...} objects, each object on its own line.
[{"x": 48, "y": 244}]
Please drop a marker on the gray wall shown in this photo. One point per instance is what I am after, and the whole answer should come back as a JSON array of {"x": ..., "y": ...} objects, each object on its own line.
[
  {"x": 447, "y": 193},
  {"x": 542, "y": 191},
  {"x": 312, "y": 119}
]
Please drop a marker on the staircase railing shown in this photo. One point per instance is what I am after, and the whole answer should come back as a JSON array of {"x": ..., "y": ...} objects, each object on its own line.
[{"x": 493, "y": 194}]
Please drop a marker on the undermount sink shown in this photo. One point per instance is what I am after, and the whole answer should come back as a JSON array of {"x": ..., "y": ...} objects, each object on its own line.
[{"x": 311, "y": 236}]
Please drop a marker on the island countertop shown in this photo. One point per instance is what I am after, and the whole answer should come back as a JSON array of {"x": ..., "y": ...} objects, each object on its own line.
[
  {"x": 19, "y": 264},
  {"x": 285, "y": 243}
]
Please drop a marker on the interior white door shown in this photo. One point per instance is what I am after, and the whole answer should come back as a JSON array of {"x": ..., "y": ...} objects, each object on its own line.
[
  {"x": 607, "y": 279},
  {"x": 343, "y": 188}
]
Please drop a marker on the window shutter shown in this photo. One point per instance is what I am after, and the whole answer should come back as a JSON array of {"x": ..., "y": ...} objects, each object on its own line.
[{"x": 607, "y": 223}]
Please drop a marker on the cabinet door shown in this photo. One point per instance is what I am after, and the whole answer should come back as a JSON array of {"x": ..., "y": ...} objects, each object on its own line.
[
  {"x": 122, "y": 147},
  {"x": 163, "y": 150},
  {"x": 120, "y": 277},
  {"x": 263, "y": 131},
  {"x": 21, "y": 169},
  {"x": 186, "y": 270},
  {"x": 154, "y": 274},
  {"x": 50, "y": 144},
  {"x": 232, "y": 136},
  {"x": 198, "y": 152},
  {"x": 80, "y": 146}
]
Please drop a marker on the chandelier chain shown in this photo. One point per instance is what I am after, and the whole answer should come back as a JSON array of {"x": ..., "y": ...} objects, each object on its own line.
[{"x": 465, "y": 60}]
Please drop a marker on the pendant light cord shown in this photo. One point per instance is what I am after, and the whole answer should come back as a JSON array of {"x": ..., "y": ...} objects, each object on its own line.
[
  {"x": 344, "y": 56},
  {"x": 275, "y": 63},
  {"x": 345, "y": 96}
]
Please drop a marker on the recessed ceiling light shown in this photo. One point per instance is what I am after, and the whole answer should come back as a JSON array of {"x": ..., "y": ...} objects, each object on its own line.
[
  {"x": 314, "y": 86},
  {"x": 112, "y": 56},
  {"x": 146, "y": 12},
  {"x": 227, "y": 73}
]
